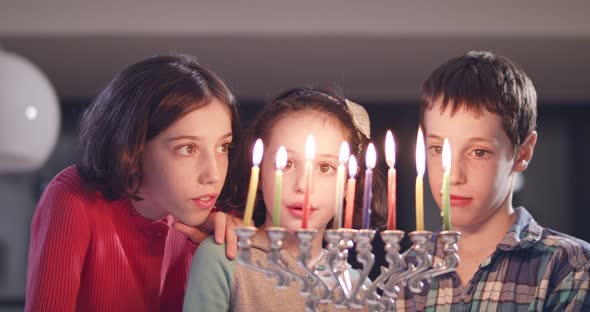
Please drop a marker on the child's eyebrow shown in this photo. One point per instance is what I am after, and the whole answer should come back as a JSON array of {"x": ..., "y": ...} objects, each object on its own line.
[
  {"x": 331, "y": 156},
  {"x": 197, "y": 138},
  {"x": 479, "y": 139},
  {"x": 290, "y": 152},
  {"x": 182, "y": 137},
  {"x": 433, "y": 136}
]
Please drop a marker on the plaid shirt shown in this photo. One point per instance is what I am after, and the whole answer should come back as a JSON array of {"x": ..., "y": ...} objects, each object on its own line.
[{"x": 532, "y": 269}]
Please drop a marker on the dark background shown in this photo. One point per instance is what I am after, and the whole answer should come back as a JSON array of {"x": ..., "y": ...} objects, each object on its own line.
[{"x": 378, "y": 52}]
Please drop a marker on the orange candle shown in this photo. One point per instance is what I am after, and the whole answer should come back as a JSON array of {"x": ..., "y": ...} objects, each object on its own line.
[
  {"x": 309, "y": 155},
  {"x": 351, "y": 187},
  {"x": 391, "y": 181}
]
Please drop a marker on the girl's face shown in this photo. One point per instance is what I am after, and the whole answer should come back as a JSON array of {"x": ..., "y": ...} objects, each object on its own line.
[
  {"x": 185, "y": 166},
  {"x": 291, "y": 131}
]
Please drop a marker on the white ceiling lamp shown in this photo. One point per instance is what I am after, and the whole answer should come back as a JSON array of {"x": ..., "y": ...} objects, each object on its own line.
[{"x": 29, "y": 115}]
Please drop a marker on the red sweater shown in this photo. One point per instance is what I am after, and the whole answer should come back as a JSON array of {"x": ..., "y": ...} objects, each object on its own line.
[{"x": 88, "y": 254}]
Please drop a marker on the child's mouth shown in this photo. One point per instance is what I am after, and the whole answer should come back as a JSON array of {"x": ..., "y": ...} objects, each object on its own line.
[
  {"x": 206, "y": 201},
  {"x": 297, "y": 210},
  {"x": 459, "y": 201}
]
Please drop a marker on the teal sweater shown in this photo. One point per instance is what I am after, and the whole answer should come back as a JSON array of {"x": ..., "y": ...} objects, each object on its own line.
[{"x": 219, "y": 284}]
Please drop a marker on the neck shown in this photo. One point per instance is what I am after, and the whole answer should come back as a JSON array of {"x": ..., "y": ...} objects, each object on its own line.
[
  {"x": 480, "y": 240},
  {"x": 147, "y": 210}
]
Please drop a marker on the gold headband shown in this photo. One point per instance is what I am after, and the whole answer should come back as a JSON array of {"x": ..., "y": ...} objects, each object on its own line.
[{"x": 360, "y": 117}]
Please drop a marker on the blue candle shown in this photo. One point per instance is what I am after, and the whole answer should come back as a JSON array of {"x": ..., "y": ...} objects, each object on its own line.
[{"x": 371, "y": 159}]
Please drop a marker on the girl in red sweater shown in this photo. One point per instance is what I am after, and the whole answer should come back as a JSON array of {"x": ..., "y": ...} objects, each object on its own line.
[{"x": 110, "y": 234}]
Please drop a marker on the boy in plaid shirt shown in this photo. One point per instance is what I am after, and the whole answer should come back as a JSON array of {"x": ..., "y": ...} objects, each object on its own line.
[{"x": 486, "y": 106}]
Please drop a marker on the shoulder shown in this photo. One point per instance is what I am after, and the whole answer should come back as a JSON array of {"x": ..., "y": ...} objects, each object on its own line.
[
  {"x": 565, "y": 249},
  {"x": 210, "y": 269},
  {"x": 210, "y": 254},
  {"x": 66, "y": 201},
  {"x": 69, "y": 183}
]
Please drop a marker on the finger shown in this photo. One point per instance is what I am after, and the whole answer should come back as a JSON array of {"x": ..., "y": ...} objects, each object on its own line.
[
  {"x": 231, "y": 239},
  {"x": 195, "y": 235},
  {"x": 237, "y": 221},
  {"x": 220, "y": 224}
]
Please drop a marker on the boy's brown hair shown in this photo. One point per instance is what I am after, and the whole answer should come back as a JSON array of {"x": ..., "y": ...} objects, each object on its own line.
[{"x": 480, "y": 81}]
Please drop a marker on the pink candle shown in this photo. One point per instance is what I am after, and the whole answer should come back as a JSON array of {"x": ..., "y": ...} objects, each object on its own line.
[
  {"x": 391, "y": 181},
  {"x": 309, "y": 155}
]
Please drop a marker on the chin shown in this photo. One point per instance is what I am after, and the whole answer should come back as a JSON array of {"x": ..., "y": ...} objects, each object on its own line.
[{"x": 194, "y": 220}]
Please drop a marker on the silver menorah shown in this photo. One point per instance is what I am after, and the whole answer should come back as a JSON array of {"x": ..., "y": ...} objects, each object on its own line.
[{"x": 411, "y": 268}]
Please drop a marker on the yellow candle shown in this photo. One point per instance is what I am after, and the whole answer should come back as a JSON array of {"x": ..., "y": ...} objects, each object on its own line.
[
  {"x": 256, "y": 158},
  {"x": 340, "y": 181},
  {"x": 350, "y": 192},
  {"x": 281, "y": 162},
  {"x": 420, "y": 168},
  {"x": 446, "y": 194},
  {"x": 391, "y": 180}
]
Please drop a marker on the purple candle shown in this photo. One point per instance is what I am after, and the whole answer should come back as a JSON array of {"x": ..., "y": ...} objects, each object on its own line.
[{"x": 371, "y": 160}]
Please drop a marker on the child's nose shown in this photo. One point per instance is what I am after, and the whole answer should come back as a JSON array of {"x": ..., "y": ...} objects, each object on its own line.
[
  {"x": 301, "y": 180},
  {"x": 457, "y": 175},
  {"x": 208, "y": 169},
  {"x": 299, "y": 185}
]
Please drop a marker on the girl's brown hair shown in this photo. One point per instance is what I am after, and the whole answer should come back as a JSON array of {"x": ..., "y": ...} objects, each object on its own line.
[
  {"x": 137, "y": 105},
  {"x": 295, "y": 100}
]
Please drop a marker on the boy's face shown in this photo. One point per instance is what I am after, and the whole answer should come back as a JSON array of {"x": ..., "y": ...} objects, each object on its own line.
[{"x": 483, "y": 163}]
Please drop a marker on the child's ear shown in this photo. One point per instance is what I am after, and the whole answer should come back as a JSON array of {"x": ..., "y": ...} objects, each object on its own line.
[{"x": 525, "y": 152}]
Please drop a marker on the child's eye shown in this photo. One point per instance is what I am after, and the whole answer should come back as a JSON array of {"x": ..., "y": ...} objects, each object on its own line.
[
  {"x": 290, "y": 164},
  {"x": 186, "y": 150},
  {"x": 326, "y": 168},
  {"x": 480, "y": 153},
  {"x": 435, "y": 150},
  {"x": 224, "y": 148}
]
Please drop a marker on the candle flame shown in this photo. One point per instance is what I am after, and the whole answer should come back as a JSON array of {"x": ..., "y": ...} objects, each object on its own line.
[
  {"x": 257, "y": 154},
  {"x": 420, "y": 153},
  {"x": 344, "y": 153},
  {"x": 446, "y": 155},
  {"x": 281, "y": 158},
  {"x": 309, "y": 147},
  {"x": 352, "y": 166},
  {"x": 371, "y": 157},
  {"x": 389, "y": 149}
]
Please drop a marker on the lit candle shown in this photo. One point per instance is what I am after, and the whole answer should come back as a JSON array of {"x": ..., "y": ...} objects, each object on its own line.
[
  {"x": 351, "y": 187},
  {"x": 370, "y": 160},
  {"x": 281, "y": 162},
  {"x": 420, "y": 167},
  {"x": 309, "y": 155},
  {"x": 391, "y": 181},
  {"x": 340, "y": 179},
  {"x": 446, "y": 195},
  {"x": 256, "y": 158}
]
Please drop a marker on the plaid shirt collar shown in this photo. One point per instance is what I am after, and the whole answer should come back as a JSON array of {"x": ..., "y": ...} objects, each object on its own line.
[{"x": 525, "y": 232}]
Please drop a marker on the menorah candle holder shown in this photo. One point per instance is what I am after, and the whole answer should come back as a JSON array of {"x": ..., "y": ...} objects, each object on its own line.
[{"x": 412, "y": 268}]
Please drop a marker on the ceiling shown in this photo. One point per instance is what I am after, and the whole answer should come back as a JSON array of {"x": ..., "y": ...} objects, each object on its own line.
[{"x": 377, "y": 51}]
